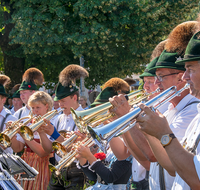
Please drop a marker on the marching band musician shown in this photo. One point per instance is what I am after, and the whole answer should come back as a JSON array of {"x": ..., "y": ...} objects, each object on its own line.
[
  {"x": 179, "y": 114},
  {"x": 67, "y": 95},
  {"x": 31, "y": 78},
  {"x": 16, "y": 100},
  {"x": 182, "y": 156},
  {"x": 5, "y": 115},
  {"x": 40, "y": 103}
]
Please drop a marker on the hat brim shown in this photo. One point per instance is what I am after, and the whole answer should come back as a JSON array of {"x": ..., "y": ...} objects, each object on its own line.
[
  {"x": 182, "y": 62},
  {"x": 4, "y": 94},
  {"x": 146, "y": 74}
]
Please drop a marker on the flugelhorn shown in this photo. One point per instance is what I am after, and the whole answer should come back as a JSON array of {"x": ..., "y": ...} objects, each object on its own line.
[
  {"x": 27, "y": 131},
  {"x": 70, "y": 157},
  {"x": 12, "y": 130},
  {"x": 95, "y": 116},
  {"x": 103, "y": 135}
]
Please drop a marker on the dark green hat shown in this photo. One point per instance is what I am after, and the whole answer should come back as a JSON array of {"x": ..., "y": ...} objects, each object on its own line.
[
  {"x": 103, "y": 97},
  {"x": 192, "y": 52},
  {"x": 2, "y": 91},
  {"x": 27, "y": 86},
  {"x": 167, "y": 60},
  {"x": 64, "y": 91},
  {"x": 147, "y": 71},
  {"x": 16, "y": 95}
]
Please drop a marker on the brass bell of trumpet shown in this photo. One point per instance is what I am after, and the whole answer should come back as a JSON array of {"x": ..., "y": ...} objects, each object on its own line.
[
  {"x": 83, "y": 118},
  {"x": 60, "y": 148},
  {"x": 27, "y": 131},
  {"x": 12, "y": 130},
  {"x": 70, "y": 157}
]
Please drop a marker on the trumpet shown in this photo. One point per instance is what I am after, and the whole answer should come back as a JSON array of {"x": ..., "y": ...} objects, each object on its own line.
[
  {"x": 12, "y": 130},
  {"x": 70, "y": 157},
  {"x": 27, "y": 131},
  {"x": 97, "y": 115},
  {"x": 103, "y": 135}
]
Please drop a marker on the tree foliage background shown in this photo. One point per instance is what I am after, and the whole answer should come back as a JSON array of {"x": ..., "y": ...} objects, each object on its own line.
[{"x": 116, "y": 37}]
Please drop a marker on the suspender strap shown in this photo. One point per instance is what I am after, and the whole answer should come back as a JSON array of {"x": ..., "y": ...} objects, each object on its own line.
[
  {"x": 195, "y": 102},
  {"x": 20, "y": 113},
  {"x": 74, "y": 127},
  {"x": 2, "y": 123},
  {"x": 60, "y": 118},
  {"x": 193, "y": 149},
  {"x": 161, "y": 178}
]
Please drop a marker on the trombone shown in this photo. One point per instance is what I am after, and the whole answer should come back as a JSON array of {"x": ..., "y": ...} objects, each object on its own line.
[
  {"x": 12, "y": 130},
  {"x": 70, "y": 157},
  {"x": 27, "y": 131},
  {"x": 103, "y": 135}
]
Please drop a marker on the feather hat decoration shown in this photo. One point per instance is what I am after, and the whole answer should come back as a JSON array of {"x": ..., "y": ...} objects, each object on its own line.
[
  {"x": 117, "y": 84},
  {"x": 33, "y": 75},
  {"x": 70, "y": 73},
  {"x": 4, "y": 80},
  {"x": 179, "y": 37},
  {"x": 158, "y": 50}
]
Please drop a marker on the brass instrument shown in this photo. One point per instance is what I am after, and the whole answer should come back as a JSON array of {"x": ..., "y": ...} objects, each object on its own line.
[
  {"x": 70, "y": 157},
  {"x": 27, "y": 131},
  {"x": 12, "y": 130},
  {"x": 102, "y": 135},
  {"x": 83, "y": 118},
  {"x": 97, "y": 116}
]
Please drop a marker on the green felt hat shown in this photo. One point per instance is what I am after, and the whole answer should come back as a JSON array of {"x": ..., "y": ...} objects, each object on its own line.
[
  {"x": 27, "y": 86},
  {"x": 167, "y": 60},
  {"x": 2, "y": 91},
  {"x": 103, "y": 97},
  {"x": 192, "y": 52},
  {"x": 16, "y": 95},
  {"x": 64, "y": 91},
  {"x": 148, "y": 72}
]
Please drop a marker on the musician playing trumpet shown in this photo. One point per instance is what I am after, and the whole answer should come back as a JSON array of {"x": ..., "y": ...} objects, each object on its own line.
[{"x": 40, "y": 103}]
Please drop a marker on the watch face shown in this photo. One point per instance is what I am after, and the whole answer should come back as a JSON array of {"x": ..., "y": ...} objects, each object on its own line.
[{"x": 165, "y": 139}]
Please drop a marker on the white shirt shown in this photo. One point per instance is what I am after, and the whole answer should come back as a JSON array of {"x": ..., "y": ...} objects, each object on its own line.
[
  {"x": 12, "y": 110},
  {"x": 179, "y": 119},
  {"x": 138, "y": 171},
  {"x": 66, "y": 123},
  {"x": 188, "y": 141},
  {"x": 52, "y": 120},
  {"x": 25, "y": 112},
  {"x": 9, "y": 118}
]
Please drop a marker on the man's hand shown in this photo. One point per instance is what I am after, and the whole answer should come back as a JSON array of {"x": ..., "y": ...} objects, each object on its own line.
[
  {"x": 153, "y": 123},
  {"x": 120, "y": 105}
]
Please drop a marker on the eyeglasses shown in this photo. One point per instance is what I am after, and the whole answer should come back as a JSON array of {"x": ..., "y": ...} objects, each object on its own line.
[{"x": 160, "y": 78}]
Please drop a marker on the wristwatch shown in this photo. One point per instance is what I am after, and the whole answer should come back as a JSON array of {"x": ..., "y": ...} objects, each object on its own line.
[{"x": 166, "y": 139}]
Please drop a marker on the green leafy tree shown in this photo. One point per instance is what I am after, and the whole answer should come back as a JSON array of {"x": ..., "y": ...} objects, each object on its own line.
[
  {"x": 115, "y": 37},
  {"x": 13, "y": 65}
]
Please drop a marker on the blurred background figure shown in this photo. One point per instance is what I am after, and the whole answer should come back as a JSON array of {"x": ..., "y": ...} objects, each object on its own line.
[{"x": 83, "y": 102}]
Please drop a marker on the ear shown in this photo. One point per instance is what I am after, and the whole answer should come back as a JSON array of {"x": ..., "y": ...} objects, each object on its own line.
[
  {"x": 179, "y": 76},
  {"x": 75, "y": 97},
  {"x": 47, "y": 106}
]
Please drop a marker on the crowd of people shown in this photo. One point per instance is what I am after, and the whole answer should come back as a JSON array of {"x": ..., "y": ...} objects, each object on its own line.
[{"x": 159, "y": 152}]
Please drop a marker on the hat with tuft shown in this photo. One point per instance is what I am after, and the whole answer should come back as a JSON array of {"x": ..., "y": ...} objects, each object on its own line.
[
  {"x": 4, "y": 80},
  {"x": 158, "y": 50},
  {"x": 31, "y": 78},
  {"x": 67, "y": 81},
  {"x": 149, "y": 72},
  {"x": 15, "y": 91},
  {"x": 167, "y": 60},
  {"x": 192, "y": 52},
  {"x": 179, "y": 37},
  {"x": 111, "y": 88}
]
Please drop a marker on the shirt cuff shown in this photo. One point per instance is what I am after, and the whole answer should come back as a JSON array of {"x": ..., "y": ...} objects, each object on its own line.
[
  {"x": 90, "y": 167},
  {"x": 84, "y": 166}
]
